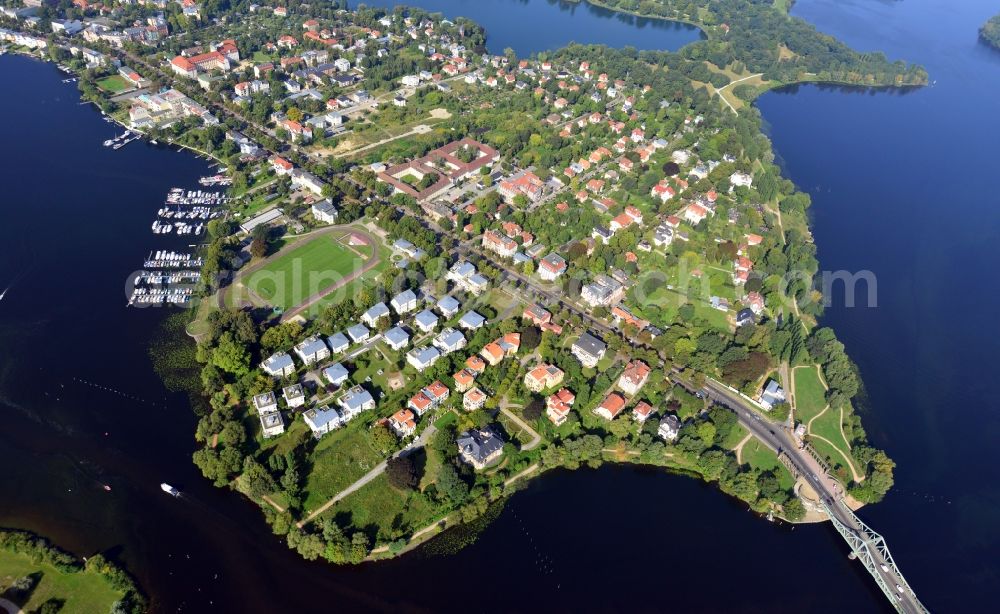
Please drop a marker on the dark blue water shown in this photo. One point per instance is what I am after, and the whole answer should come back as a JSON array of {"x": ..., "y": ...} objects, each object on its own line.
[
  {"x": 533, "y": 26},
  {"x": 902, "y": 185}
]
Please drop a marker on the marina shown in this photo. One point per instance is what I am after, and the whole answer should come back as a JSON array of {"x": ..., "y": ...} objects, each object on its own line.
[
  {"x": 220, "y": 179},
  {"x": 119, "y": 140},
  {"x": 178, "y": 196},
  {"x": 167, "y": 259},
  {"x": 178, "y": 227},
  {"x": 170, "y": 277},
  {"x": 194, "y": 213},
  {"x": 159, "y": 296}
]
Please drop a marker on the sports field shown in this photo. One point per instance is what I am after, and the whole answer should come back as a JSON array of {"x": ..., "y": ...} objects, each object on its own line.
[
  {"x": 292, "y": 277},
  {"x": 114, "y": 84}
]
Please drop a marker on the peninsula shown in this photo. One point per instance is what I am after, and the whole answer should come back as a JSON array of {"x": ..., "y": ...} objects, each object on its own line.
[{"x": 444, "y": 272}]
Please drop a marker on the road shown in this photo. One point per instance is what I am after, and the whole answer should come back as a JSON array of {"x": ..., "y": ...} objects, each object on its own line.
[
  {"x": 416, "y": 444},
  {"x": 774, "y": 435}
]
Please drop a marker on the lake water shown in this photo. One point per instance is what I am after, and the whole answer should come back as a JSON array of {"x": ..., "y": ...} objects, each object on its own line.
[
  {"x": 902, "y": 185},
  {"x": 532, "y": 26}
]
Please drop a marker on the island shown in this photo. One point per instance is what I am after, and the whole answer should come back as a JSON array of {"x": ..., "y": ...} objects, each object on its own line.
[
  {"x": 990, "y": 32},
  {"x": 36, "y": 576},
  {"x": 442, "y": 272}
]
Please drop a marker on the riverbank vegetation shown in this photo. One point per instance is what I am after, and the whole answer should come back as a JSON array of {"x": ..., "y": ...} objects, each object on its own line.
[
  {"x": 990, "y": 31},
  {"x": 41, "y": 578}
]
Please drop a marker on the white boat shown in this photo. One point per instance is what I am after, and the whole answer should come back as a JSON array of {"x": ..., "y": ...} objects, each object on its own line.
[{"x": 170, "y": 490}]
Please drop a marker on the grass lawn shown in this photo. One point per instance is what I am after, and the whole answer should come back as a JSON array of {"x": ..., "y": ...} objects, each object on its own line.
[
  {"x": 759, "y": 456},
  {"x": 114, "y": 84},
  {"x": 396, "y": 513},
  {"x": 735, "y": 437},
  {"x": 83, "y": 591},
  {"x": 827, "y": 426},
  {"x": 810, "y": 396},
  {"x": 295, "y": 275},
  {"x": 338, "y": 461}
]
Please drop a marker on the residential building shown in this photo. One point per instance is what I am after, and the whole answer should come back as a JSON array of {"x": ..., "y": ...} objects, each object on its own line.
[
  {"x": 448, "y": 306},
  {"x": 403, "y": 423},
  {"x": 471, "y": 321},
  {"x": 771, "y": 395},
  {"x": 480, "y": 447},
  {"x": 396, "y": 338},
  {"x": 543, "y": 376},
  {"x": 740, "y": 179},
  {"x": 423, "y": 357},
  {"x": 473, "y": 399},
  {"x": 642, "y": 411},
  {"x": 464, "y": 380},
  {"x": 355, "y": 401},
  {"x": 279, "y": 365},
  {"x": 312, "y": 350},
  {"x": 498, "y": 244},
  {"x": 295, "y": 395},
  {"x": 551, "y": 266},
  {"x": 603, "y": 291},
  {"x": 426, "y": 321},
  {"x": 611, "y": 406},
  {"x": 322, "y": 420},
  {"x": 265, "y": 402},
  {"x": 558, "y": 405},
  {"x": 338, "y": 343},
  {"x": 669, "y": 428},
  {"x": 336, "y": 374},
  {"x": 359, "y": 333},
  {"x": 404, "y": 302},
  {"x": 634, "y": 377},
  {"x": 271, "y": 424},
  {"x": 465, "y": 276},
  {"x": 449, "y": 340},
  {"x": 324, "y": 212},
  {"x": 589, "y": 350}
]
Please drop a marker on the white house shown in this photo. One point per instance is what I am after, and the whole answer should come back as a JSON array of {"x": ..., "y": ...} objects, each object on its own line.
[
  {"x": 324, "y": 212},
  {"x": 471, "y": 321},
  {"x": 336, "y": 374},
  {"x": 404, "y": 302},
  {"x": 356, "y": 401},
  {"x": 449, "y": 340},
  {"x": 448, "y": 306},
  {"x": 426, "y": 321},
  {"x": 396, "y": 338},
  {"x": 322, "y": 420},
  {"x": 271, "y": 423},
  {"x": 589, "y": 350},
  {"x": 372, "y": 316},
  {"x": 295, "y": 395},
  {"x": 279, "y": 365},
  {"x": 359, "y": 333},
  {"x": 312, "y": 350},
  {"x": 423, "y": 357},
  {"x": 338, "y": 343},
  {"x": 669, "y": 428},
  {"x": 771, "y": 395}
]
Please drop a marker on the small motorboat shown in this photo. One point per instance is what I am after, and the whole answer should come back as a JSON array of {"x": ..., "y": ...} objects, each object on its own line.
[{"x": 170, "y": 490}]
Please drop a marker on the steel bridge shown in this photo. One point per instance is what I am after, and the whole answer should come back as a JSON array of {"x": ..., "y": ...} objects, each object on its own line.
[{"x": 870, "y": 548}]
